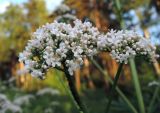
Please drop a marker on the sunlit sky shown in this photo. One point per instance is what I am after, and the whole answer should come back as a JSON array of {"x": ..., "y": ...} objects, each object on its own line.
[{"x": 50, "y": 4}]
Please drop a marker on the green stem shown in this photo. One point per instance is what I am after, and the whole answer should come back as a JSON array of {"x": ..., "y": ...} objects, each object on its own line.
[
  {"x": 126, "y": 100},
  {"x": 114, "y": 86},
  {"x": 82, "y": 107},
  {"x": 132, "y": 63},
  {"x": 137, "y": 86},
  {"x": 119, "y": 13},
  {"x": 67, "y": 91},
  {"x": 153, "y": 99}
]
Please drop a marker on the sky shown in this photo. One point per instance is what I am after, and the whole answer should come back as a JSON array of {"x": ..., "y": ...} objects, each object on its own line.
[{"x": 50, "y": 4}]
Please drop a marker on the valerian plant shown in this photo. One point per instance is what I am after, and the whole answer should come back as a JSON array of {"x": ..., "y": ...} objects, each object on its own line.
[
  {"x": 64, "y": 46},
  {"x": 59, "y": 44}
]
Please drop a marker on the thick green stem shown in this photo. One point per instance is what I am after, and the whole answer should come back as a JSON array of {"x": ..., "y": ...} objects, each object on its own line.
[
  {"x": 156, "y": 92},
  {"x": 82, "y": 107},
  {"x": 137, "y": 86},
  {"x": 114, "y": 86},
  {"x": 119, "y": 13},
  {"x": 132, "y": 63},
  {"x": 126, "y": 100},
  {"x": 67, "y": 90}
]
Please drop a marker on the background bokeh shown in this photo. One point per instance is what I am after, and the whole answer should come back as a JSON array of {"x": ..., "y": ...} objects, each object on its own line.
[{"x": 22, "y": 93}]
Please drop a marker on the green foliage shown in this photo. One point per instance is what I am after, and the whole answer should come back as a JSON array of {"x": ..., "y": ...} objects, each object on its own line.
[
  {"x": 37, "y": 13},
  {"x": 40, "y": 103},
  {"x": 17, "y": 23},
  {"x": 12, "y": 29},
  {"x": 54, "y": 78}
]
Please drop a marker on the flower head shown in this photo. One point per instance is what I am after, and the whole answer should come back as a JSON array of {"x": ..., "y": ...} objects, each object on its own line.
[
  {"x": 58, "y": 44},
  {"x": 125, "y": 44}
]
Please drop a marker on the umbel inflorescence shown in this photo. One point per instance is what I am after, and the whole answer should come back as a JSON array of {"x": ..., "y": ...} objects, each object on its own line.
[
  {"x": 125, "y": 44},
  {"x": 60, "y": 45}
]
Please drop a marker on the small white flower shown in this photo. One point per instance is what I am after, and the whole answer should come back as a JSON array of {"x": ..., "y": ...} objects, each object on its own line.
[
  {"x": 37, "y": 73},
  {"x": 23, "y": 100},
  {"x": 154, "y": 83},
  {"x": 6, "y": 105},
  {"x": 48, "y": 91}
]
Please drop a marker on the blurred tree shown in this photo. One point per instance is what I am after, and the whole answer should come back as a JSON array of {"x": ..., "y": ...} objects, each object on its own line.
[
  {"x": 103, "y": 12},
  {"x": 156, "y": 3},
  {"x": 13, "y": 29},
  {"x": 91, "y": 9},
  {"x": 36, "y": 13},
  {"x": 16, "y": 24}
]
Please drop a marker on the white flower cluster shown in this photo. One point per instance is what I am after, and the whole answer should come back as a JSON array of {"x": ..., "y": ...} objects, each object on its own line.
[
  {"x": 47, "y": 91},
  {"x": 23, "y": 99},
  {"x": 63, "y": 8},
  {"x": 6, "y": 105},
  {"x": 154, "y": 83},
  {"x": 58, "y": 44},
  {"x": 61, "y": 45},
  {"x": 125, "y": 44}
]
